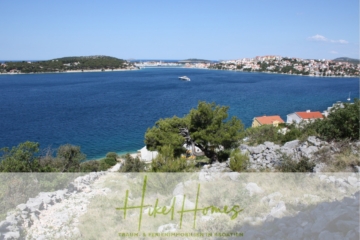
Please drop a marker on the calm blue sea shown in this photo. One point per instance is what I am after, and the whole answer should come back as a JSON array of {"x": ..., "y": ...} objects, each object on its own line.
[{"x": 110, "y": 111}]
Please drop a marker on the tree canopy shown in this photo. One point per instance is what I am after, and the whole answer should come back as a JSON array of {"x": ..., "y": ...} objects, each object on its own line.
[
  {"x": 206, "y": 127},
  {"x": 22, "y": 158},
  {"x": 26, "y": 157},
  {"x": 342, "y": 123}
]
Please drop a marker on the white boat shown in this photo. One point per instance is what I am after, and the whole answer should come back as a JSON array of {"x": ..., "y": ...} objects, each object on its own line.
[
  {"x": 185, "y": 78},
  {"x": 349, "y": 97}
]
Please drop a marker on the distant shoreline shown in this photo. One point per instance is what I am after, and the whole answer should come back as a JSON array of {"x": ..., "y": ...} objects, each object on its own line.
[
  {"x": 75, "y": 71},
  {"x": 132, "y": 153},
  {"x": 120, "y": 70},
  {"x": 284, "y": 73}
]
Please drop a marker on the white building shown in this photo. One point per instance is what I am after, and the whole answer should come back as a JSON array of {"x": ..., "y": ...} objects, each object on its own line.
[
  {"x": 298, "y": 117},
  {"x": 146, "y": 155}
]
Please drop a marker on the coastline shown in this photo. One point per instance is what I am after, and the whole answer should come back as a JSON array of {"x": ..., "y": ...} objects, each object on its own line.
[
  {"x": 120, "y": 70},
  {"x": 286, "y": 74},
  {"x": 76, "y": 71},
  {"x": 132, "y": 153}
]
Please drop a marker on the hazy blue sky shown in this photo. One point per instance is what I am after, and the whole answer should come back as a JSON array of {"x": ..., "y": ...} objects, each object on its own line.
[{"x": 152, "y": 29}]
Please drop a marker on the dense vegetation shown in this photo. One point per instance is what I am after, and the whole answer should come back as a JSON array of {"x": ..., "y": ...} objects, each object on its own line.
[
  {"x": 28, "y": 157},
  {"x": 132, "y": 164},
  {"x": 342, "y": 123},
  {"x": 206, "y": 128},
  {"x": 66, "y": 63},
  {"x": 166, "y": 162}
]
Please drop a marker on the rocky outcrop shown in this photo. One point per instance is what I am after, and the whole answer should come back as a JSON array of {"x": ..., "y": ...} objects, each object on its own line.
[
  {"x": 270, "y": 155},
  {"x": 216, "y": 167},
  {"x": 26, "y": 214}
]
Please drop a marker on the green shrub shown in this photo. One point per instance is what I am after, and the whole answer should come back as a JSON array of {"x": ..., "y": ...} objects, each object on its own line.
[
  {"x": 342, "y": 123},
  {"x": 90, "y": 166},
  {"x": 159, "y": 164},
  {"x": 238, "y": 161},
  {"x": 110, "y": 161},
  {"x": 103, "y": 166},
  {"x": 112, "y": 155},
  {"x": 258, "y": 135},
  {"x": 23, "y": 158},
  {"x": 290, "y": 165},
  {"x": 132, "y": 164},
  {"x": 166, "y": 162},
  {"x": 291, "y": 134},
  {"x": 70, "y": 157}
]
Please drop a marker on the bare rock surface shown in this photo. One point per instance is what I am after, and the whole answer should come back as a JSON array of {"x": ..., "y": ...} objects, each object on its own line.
[{"x": 60, "y": 220}]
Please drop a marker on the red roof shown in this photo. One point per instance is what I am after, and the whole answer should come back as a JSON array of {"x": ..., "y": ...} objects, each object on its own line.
[
  {"x": 269, "y": 119},
  {"x": 309, "y": 115}
]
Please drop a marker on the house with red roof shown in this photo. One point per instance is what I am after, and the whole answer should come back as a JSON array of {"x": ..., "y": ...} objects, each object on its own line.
[
  {"x": 267, "y": 120},
  {"x": 307, "y": 116}
]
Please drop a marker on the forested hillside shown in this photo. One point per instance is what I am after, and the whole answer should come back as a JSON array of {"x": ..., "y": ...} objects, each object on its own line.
[{"x": 65, "y": 64}]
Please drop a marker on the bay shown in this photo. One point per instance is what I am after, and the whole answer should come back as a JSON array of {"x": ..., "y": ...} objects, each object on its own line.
[{"x": 110, "y": 111}]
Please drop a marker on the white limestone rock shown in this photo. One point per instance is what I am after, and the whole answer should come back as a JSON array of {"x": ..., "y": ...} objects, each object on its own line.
[
  {"x": 279, "y": 210},
  {"x": 292, "y": 144},
  {"x": 353, "y": 181},
  {"x": 179, "y": 202},
  {"x": 167, "y": 228},
  {"x": 253, "y": 188}
]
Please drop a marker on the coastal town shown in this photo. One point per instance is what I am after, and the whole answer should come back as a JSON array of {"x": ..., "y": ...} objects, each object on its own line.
[
  {"x": 341, "y": 67},
  {"x": 296, "y": 66},
  {"x": 271, "y": 64}
]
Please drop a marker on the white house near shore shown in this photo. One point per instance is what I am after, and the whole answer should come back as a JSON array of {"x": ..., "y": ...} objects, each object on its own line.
[
  {"x": 146, "y": 155},
  {"x": 307, "y": 116}
]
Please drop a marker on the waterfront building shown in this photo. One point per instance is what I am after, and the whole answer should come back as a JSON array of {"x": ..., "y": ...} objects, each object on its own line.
[
  {"x": 267, "y": 120},
  {"x": 307, "y": 116}
]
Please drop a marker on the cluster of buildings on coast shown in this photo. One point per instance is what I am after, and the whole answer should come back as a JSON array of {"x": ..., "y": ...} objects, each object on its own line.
[
  {"x": 297, "y": 117},
  {"x": 278, "y": 64},
  {"x": 270, "y": 64},
  {"x": 145, "y": 64}
]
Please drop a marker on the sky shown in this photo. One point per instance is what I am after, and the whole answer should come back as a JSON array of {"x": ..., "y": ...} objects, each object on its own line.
[{"x": 169, "y": 29}]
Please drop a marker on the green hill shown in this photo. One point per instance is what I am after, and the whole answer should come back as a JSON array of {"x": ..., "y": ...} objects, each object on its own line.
[
  {"x": 194, "y": 60},
  {"x": 67, "y": 63},
  {"x": 346, "y": 59}
]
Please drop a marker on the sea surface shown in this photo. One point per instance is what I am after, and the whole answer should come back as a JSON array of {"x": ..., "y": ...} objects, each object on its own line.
[{"x": 110, "y": 111}]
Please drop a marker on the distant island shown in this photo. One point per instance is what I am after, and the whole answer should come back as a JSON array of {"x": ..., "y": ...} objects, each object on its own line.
[
  {"x": 68, "y": 64},
  {"x": 339, "y": 67},
  {"x": 195, "y": 60},
  {"x": 346, "y": 59}
]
